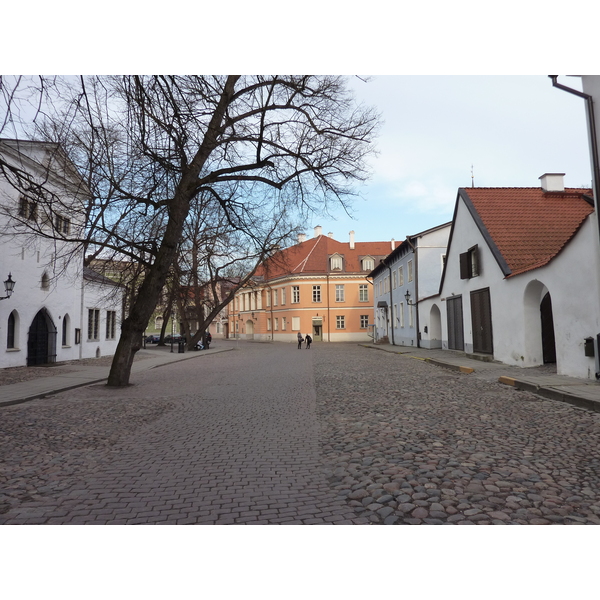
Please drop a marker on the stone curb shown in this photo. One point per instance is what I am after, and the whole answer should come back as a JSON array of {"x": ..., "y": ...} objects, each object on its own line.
[{"x": 92, "y": 381}]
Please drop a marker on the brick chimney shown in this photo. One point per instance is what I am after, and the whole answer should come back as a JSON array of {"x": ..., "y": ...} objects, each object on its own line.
[
  {"x": 553, "y": 182},
  {"x": 352, "y": 240},
  {"x": 318, "y": 231}
]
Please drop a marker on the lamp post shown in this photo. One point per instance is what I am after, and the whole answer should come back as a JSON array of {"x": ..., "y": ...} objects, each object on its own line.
[{"x": 9, "y": 286}]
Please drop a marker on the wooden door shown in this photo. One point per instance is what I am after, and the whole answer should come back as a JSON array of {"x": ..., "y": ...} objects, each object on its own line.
[
  {"x": 481, "y": 320},
  {"x": 456, "y": 340}
]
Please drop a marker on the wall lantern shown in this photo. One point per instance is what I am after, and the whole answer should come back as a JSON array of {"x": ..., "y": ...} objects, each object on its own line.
[
  {"x": 9, "y": 286},
  {"x": 407, "y": 296}
]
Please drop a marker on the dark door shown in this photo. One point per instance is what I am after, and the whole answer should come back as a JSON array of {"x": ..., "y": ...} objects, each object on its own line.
[
  {"x": 456, "y": 340},
  {"x": 37, "y": 343},
  {"x": 317, "y": 333},
  {"x": 548, "y": 341},
  {"x": 481, "y": 320}
]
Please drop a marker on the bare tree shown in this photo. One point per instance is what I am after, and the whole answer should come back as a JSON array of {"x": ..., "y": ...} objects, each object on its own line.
[{"x": 150, "y": 148}]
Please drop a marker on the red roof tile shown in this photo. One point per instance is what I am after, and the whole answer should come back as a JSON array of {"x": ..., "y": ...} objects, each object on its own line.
[
  {"x": 529, "y": 226},
  {"x": 312, "y": 257}
]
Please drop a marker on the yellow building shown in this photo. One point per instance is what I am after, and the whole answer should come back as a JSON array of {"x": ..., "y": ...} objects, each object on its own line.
[{"x": 318, "y": 286}]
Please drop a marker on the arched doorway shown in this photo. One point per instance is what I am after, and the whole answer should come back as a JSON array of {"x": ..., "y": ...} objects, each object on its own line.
[
  {"x": 435, "y": 327},
  {"x": 41, "y": 342},
  {"x": 548, "y": 341},
  {"x": 249, "y": 329}
]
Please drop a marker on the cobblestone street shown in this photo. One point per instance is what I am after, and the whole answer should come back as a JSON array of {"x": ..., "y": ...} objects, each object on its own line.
[{"x": 267, "y": 434}]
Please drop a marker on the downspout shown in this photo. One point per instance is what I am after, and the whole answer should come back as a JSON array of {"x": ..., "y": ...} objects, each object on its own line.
[
  {"x": 593, "y": 140},
  {"x": 328, "y": 316},
  {"x": 416, "y": 292},
  {"x": 391, "y": 302},
  {"x": 589, "y": 104}
]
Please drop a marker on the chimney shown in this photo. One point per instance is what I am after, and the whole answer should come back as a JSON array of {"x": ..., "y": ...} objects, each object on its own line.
[
  {"x": 352, "y": 240},
  {"x": 330, "y": 234},
  {"x": 301, "y": 237},
  {"x": 553, "y": 182},
  {"x": 393, "y": 244},
  {"x": 318, "y": 231}
]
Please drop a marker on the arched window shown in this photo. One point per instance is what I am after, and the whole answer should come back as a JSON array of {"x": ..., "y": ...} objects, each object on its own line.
[
  {"x": 66, "y": 324},
  {"x": 10, "y": 331},
  {"x": 45, "y": 281}
]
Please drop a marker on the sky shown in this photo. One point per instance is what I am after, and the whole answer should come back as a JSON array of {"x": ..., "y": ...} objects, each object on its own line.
[{"x": 439, "y": 131}]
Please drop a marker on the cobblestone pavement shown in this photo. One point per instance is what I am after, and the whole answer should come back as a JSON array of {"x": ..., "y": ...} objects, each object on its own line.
[
  {"x": 407, "y": 442},
  {"x": 229, "y": 439},
  {"x": 269, "y": 434}
]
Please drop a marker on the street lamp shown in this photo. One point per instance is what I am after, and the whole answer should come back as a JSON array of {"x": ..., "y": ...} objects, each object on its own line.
[
  {"x": 9, "y": 286},
  {"x": 407, "y": 296}
]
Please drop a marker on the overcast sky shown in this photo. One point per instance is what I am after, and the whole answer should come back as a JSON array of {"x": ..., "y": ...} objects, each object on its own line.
[{"x": 512, "y": 129}]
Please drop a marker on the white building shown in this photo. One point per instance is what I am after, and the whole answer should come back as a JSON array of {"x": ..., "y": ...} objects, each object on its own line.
[
  {"x": 521, "y": 282},
  {"x": 58, "y": 311},
  {"x": 403, "y": 282}
]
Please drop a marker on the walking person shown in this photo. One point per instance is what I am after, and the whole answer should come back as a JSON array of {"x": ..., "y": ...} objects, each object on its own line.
[
  {"x": 300, "y": 340},
  {"x": 308, "y": 340}
]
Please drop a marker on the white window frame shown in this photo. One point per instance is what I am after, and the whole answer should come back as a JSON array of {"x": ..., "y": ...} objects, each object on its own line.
[
  {"x": 364, "y": 321},
  {"x": 336, "y": 263},
  {"x": 316, "y": 293},
  {"x": 401, "y": 315},
  {"x": 283, "y": 296},
  {"x": 93, "y": 324},
  {"x": 363, "y": 292},
  {"x": 274, "y": 297},
  {"x": 111, "y": 324},
  {"x": 295, "y": 294},
  {"x": 268, "y": 324},
  {"x": 401, "y": 276},
  {"x": 268, "y": 298},
  {"x": 409, "y": 266},
  {"x": 295, "y": 323},
  {"x": 340, "y": 293},
  {"x": 340, "y": 320}
]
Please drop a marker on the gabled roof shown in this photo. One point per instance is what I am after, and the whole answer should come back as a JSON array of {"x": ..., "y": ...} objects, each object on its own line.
[
  {"x": 526, "y": 228},
  {"x": 312, "y": 257},
  {"x": 91, "y": 275}
]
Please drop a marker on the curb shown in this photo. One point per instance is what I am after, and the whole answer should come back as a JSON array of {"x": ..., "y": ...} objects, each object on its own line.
[{"x": 66, "y": 388}]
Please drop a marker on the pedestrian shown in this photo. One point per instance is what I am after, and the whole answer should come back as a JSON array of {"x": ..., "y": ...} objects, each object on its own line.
[
  {"x": 300, "y": 340},
  {"x": 208, "y": 340},
  {"x": 308, "y": 340}
]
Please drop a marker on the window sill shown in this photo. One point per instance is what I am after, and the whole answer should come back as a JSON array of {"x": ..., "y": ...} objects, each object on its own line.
[
  {"x": 13, "y": 349},
  {"x": 64, "y": 347}
]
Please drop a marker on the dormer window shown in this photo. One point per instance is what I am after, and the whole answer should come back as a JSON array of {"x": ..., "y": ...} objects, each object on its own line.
[
  {"x": 336, "y": 262},
  {"x": 367, "y": 264}
]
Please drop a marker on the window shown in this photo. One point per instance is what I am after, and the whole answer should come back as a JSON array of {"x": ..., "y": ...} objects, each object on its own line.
[
  {"x": 316, "y": 293},
  {"x": 401, "y": 314},
  {"x": 443, "y": 261},
  {"x": 336, "y": 263},
  {"x": 340, "y": 322},
  {"x": 386, "y": 285},
  {"x": 93, "y": 323},
  {"x": 283, "y": 323},
  {"x": 268, "y": 298},
  {"x": 295, "y": 323},
  {"x": 158, "y": 322},
  {"x": 282, "y": 296},
  {"x": 111, "y": 324},
  {"x": 410, "y": 316},
  {"x": 276, "y": 324},
  {"x": 62, "y": 224},
  {"x": 295, "y": 294},
  {"x": 339, "y": 293},
  {"x": 410, "y": 270},
  {"x": 368, "y": 264},
  {"x": 363, "y": 292},
  {"x": 237, "y": 303},
  {"x": 268, "y": 324},
  {"x": 28, "y": 209},
  {"x": 65, "y": 330},
  {"x": 396, "y": 318},
  {"x": 364, "y": 321},
  {"x": 45, "y": 281},
  {"x": 10, "y": 331},
  {"x": 469, "y": 263},
  {"x": 400, "y": 276},
  {"x": 394, "y": 279},
  {"x": 274, "y": 297}
]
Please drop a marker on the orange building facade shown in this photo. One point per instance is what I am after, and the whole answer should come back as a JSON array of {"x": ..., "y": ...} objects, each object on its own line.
[{"x": 318, "y": 286}]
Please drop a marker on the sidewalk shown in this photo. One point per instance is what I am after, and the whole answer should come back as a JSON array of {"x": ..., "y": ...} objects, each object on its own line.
[
  {"x": 583, "y": 393},
  {"x": 24, "y": 391}
]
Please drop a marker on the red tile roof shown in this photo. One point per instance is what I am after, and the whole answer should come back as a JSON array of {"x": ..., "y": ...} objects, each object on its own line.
[
  {"x": 312, "y": 257},
  {"x": 529, "y": 226}
]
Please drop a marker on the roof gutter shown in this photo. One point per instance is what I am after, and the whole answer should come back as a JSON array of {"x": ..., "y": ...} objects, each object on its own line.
[{"x": 593, "y": 139}]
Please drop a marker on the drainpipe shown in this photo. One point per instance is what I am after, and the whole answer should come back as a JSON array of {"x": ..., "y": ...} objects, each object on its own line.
[
  {"x": 593, "y": 140},
  {"x": 589, "y": 104},
  {"x": 416, "y": 292},
  {"x": 391, "y": 302}
]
